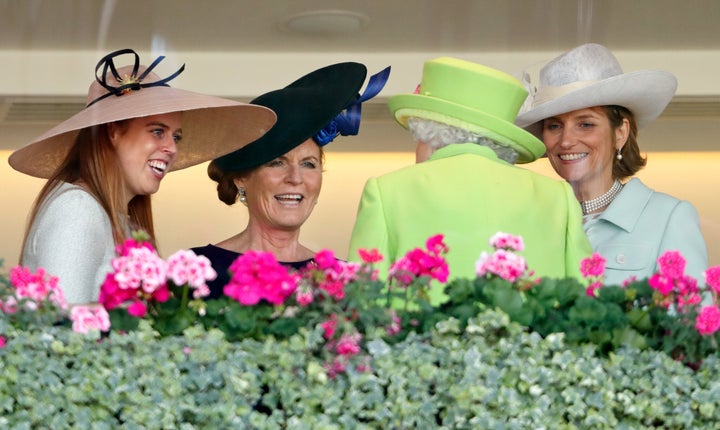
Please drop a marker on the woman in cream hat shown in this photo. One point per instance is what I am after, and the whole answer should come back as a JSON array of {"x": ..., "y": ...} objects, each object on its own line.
[
  {"x": 103, "y": 164},
  {"x": 279, "y": 176},
  {"x": 587, "y": 112},
  {"x": 465, "y": 185}
]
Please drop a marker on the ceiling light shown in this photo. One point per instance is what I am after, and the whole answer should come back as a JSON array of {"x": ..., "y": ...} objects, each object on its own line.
[{"x": 326, "y": 23}]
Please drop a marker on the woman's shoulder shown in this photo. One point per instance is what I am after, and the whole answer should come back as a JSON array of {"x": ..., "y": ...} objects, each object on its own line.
[
  {"x": 71, "y": 194},
  {"x": 71, "y": 203}
]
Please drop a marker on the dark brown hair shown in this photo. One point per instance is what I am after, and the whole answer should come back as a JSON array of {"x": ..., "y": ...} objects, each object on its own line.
[{"x": 632, "y": 160}]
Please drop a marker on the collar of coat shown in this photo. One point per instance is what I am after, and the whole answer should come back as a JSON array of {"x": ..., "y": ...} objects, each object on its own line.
[{"x": 627, "y": 207}]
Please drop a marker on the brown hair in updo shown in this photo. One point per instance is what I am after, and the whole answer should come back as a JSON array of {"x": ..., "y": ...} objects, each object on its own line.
[
  {"x": 226, "y": 189},
  {"x": 632, "y": 161}
]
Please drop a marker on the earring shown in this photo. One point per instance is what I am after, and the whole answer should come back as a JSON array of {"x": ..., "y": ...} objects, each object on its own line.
[
  {"x": 619, "y": 155},
  {"x": 241, "y": 193}
]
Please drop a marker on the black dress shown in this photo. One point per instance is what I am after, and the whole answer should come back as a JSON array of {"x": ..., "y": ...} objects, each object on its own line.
[{"x": 221, "y": 259}]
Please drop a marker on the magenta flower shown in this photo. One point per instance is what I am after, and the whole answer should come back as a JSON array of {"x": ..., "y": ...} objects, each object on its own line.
[
  {"x": 86, "y": 318},
  {"x": 708, "y": 321},
  {"x": 349, "y": 344},
  {"x": 671, "y": 264},
  {"x": 593, "y": 266},
  {"x": 592, "y": 289},
  {"x": 418, "y": 263},
  {"x": 137, "y": 309},
  {"x": 3, "y": 342},
  {"x": 258, "y": 276},
  {"x": 662, "y": 284},
  {"x": 435, "y": 245},
  {"x": 111, "y": 295},
  {"x": 325, "y": 259},
  {"x": 712, "y": 278},
  {"x": 329, "y": 326}
]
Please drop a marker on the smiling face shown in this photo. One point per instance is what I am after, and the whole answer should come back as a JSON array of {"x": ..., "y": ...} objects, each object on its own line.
[
  {"x": 146, "y": 149},
  {"x": 581, "y": 146},
  {"x": 282, "y": 193}
]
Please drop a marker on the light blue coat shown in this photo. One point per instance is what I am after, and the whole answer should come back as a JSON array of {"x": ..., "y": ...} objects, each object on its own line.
[{"x": 639, "y": 226}]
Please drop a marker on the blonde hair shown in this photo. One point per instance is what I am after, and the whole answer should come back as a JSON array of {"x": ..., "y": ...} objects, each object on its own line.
[{"x": 92, "y": 161}]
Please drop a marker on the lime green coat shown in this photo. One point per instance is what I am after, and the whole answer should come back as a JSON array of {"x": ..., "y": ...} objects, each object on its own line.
[{"x": 467, "y": 194}]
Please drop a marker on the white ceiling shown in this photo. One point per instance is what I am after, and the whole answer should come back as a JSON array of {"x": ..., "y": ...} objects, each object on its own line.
[
  {"x": 390, "y": 26},
  {"x": 393, "y": 25}
]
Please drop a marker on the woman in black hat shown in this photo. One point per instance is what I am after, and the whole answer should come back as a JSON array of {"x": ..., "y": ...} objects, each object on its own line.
[{"x": 279, "y": 176}]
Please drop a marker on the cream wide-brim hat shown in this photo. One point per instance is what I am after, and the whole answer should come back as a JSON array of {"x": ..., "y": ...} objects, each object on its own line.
[
  {"x": 590, "y": 75},
  {"x": 212, "y": 126}
]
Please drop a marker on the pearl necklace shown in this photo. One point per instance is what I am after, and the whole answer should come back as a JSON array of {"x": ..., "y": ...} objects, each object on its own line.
[{"x": 589, "y": 206}]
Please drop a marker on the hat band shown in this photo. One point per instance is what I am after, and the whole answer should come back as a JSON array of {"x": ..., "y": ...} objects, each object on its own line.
[{"x": 546, "y": 94}]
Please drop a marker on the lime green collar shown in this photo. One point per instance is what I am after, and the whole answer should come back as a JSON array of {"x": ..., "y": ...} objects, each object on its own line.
[{"x": 464, "y": 148}]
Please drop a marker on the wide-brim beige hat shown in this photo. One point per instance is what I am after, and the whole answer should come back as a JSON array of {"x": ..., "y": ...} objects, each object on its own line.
[
  {"x": 212, "y": 126},
  {"x": 590, "y": 75}
]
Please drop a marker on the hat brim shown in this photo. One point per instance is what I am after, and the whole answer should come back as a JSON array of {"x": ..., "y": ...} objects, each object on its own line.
[
  {"x": 303, "y": 108},
  {"x": 212, "y": 127},
  {"x": 404, "y": 106},
  {"x": 646, "y": 93}
]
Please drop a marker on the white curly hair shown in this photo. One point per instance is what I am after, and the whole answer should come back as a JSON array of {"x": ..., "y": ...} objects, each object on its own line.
[{"x": 437, "y": 135}]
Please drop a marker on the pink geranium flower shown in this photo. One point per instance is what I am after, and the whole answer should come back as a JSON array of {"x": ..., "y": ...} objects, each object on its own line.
[
  {"x": 86, "y": 318},
  {"x": 712, "y": 278},
  {"x": 671, "y": 264},
  {"x": 329, "y": 326},
  {"x": 418, "y": 263},
  {"x": 507, "y": 242},
  {"x": 593, "y": 266},
  {"x": 663, "y": 284},
  {"x": 137, "y": 309},
  {"x": 36, "y": 286},
  {"x": 502, "y": 263},
  {"x": 708, "y": 321},
  {"x": 349, "y": 344},
  {"x": 185, "y": 267},
  {"x": 258, "y": 276}
]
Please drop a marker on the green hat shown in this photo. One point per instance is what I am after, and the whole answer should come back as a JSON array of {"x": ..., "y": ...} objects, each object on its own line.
[
  {"x": 311, "y": 107},
  {"x": 473, "y": 97}
]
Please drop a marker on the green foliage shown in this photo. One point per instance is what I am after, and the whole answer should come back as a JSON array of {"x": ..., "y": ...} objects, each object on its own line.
[
  {"x": 618, "y": 316},
  {"x": 485, "y": 373}
]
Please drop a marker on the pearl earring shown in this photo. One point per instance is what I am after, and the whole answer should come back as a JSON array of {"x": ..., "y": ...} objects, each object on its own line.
[
  {"x": 619, "y": 155},
  {"x": 241, "y": 193}
]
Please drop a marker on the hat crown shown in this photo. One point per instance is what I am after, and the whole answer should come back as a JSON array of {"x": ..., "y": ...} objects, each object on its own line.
[
  {"x": 474, "y": 86},
  {"x": 588, "y": 62}
]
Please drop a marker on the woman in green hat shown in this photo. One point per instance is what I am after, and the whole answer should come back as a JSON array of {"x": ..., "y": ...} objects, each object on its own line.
[
  {"x": 465, "y": 185},
  {"x": 279, "y": 176}
]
